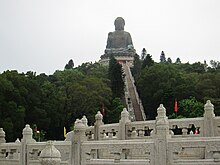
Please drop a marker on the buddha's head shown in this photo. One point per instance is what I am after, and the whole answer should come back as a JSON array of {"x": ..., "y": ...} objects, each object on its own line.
[{"x": 119, "y": 23}]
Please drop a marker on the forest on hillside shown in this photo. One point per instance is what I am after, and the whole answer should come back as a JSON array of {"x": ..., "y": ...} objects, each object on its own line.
[
  {"x": 164, "y": 82},
  {"x": 51, "y": 102}
]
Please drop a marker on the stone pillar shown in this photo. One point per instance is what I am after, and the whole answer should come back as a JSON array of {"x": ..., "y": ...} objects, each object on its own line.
[
  {"x": 161, "y": 137},
  {"x": 98, "y": 122},
  {"x": 78, "y": 138},
  {"x": 208, "y": 119},
  {"x": 2, "y": 136},
  {"x": 27, "y": 138},
  {"x": 85, "y": 121},
  {"x": 50, "y": 155},
  {"x": 122, "y": 124}
]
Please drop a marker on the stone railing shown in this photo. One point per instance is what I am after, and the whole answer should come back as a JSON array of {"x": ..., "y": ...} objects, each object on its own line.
[
  {"x": 10, "y": 153},
  {"x": 129, "y": 103},
  {"x": 29, "y": 152},
  {"x": 158, "y": 142},
  {"x": 100, "y": 152},
  {"x": 136, "y": 93},
  {"x": 34, "y": 150},
  {"x": 194, "y": 151}
]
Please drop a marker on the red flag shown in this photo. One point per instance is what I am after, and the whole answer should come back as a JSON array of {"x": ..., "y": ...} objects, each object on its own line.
[{"x": 175, "y": 107}]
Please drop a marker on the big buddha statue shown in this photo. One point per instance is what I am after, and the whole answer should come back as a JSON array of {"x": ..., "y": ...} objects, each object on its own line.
[
  {"x": 119, "y": 44},
  {"x": 119, "y": 38}
]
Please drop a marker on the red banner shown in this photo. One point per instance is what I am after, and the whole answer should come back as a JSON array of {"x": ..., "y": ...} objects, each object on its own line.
[{"x": 175, "y": 107}]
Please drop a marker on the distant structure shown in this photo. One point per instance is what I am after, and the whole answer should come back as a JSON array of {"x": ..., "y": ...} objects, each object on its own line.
[{"x": 119, "y": 45}]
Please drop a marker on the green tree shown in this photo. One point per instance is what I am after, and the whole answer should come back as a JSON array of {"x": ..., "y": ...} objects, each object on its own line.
[
  {"x": 115, "y": 112},
  {"x": 178, "y": 61},
  {"x": 190, "y": 108},
  {"x": 162, "y": 57},
  {"x": 163, "y": 83},
  {"x": 136, "y": 69},
  {"x": 116, "y": 77},
  {"x": 169, "y": 61},
  {"x": 70, "y": 64},
  {"x": 147, "y": 62},
  {"x": 143, "y": 54},
  {"x": 215, "y": 64}
]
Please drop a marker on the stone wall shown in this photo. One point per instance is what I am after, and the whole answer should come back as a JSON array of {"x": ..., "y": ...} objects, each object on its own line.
[{"x": 153, "y": 142}]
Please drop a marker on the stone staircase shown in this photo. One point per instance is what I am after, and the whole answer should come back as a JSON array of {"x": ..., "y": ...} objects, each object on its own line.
[{"x": 133, "y": 101}]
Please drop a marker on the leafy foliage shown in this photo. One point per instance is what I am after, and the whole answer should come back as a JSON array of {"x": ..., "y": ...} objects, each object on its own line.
[
  {"x": 52, "y": 102},
  {"x": 165, "y": 82},
  {"x": 162, "y": 57},
  {"x": 69, "y": 65},
  {"x": 116, "y": 77},
  {"x": 116, "y": 109},
  {"x": 189, "y": 108}
]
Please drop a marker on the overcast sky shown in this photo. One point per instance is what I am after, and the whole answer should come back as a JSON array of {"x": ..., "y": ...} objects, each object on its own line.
[{"x": 43, "y": 35}]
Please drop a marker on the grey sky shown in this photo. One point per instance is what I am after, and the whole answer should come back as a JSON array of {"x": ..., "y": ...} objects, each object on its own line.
[{"x": 42, "y": 35}]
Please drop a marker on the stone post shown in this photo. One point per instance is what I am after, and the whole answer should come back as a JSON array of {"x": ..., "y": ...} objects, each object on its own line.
[
  {"x": 122, "y": 124},
  {"x": 85, "y": 121},
  {"x": 98, "y": 122},
  {"x": 50, "y": 155},
  {"x": 27, "y": 138},
  {"x": 161, "y": 136},
  {"x": 208, "y": 119},
  {"x": 78, "y": 138},
  {"x": 2, "y": 136}
]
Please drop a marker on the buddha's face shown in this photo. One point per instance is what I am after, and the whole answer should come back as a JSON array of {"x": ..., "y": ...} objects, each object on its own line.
[{"x": 119, "y": 23}]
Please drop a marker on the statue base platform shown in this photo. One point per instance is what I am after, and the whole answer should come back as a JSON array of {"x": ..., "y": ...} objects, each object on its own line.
[{"x": 121, "y": 55}]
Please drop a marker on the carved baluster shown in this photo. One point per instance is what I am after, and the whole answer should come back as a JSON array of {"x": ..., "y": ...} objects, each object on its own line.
[
  {"x": 35, "y": 154},
  {"x": 141, "y": 133},
  {"x": 184, "y": 130},
  {"x": 152, "y": 132},
  {"x": 102, "y": 134},
  {"x": 171, "y": 132},
  {"x": 110, "y": 135},
  {"x": 93, "y": 153},
  {"x": 133, "y": 133},
  {"x": 3, "y": 154},
  {"x": 11, "y": 153},
  {"x": 89, "y": 135},
  {"x": 114, "y": 133}
]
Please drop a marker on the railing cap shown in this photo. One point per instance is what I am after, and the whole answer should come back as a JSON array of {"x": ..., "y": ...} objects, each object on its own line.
[
  {"x": 208, "y": 105},
  {"x": 50, "y": 151},
  {"x": 98, "y": 116},
  {"x": 2, "y": 132},
  {"x": 27, "y": 130},
  {"x": 79, "y": 125}
]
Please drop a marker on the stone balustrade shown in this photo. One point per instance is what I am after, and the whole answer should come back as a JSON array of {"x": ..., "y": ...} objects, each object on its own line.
[
  {"x": 27, "y": 151},
  {"x": 90, "y": 133},
  {"x": 10, "y": 153},
  {"x": 140, "y": 129},
  {"x": 194, "y": 150},
  {"x": 157, "y": 142},
  {"x": 109, "y": 131},
  {"x": 186, "y": 127},
  {"x": 100, "y": 152},
  {"x": 34, "y": 150}
]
